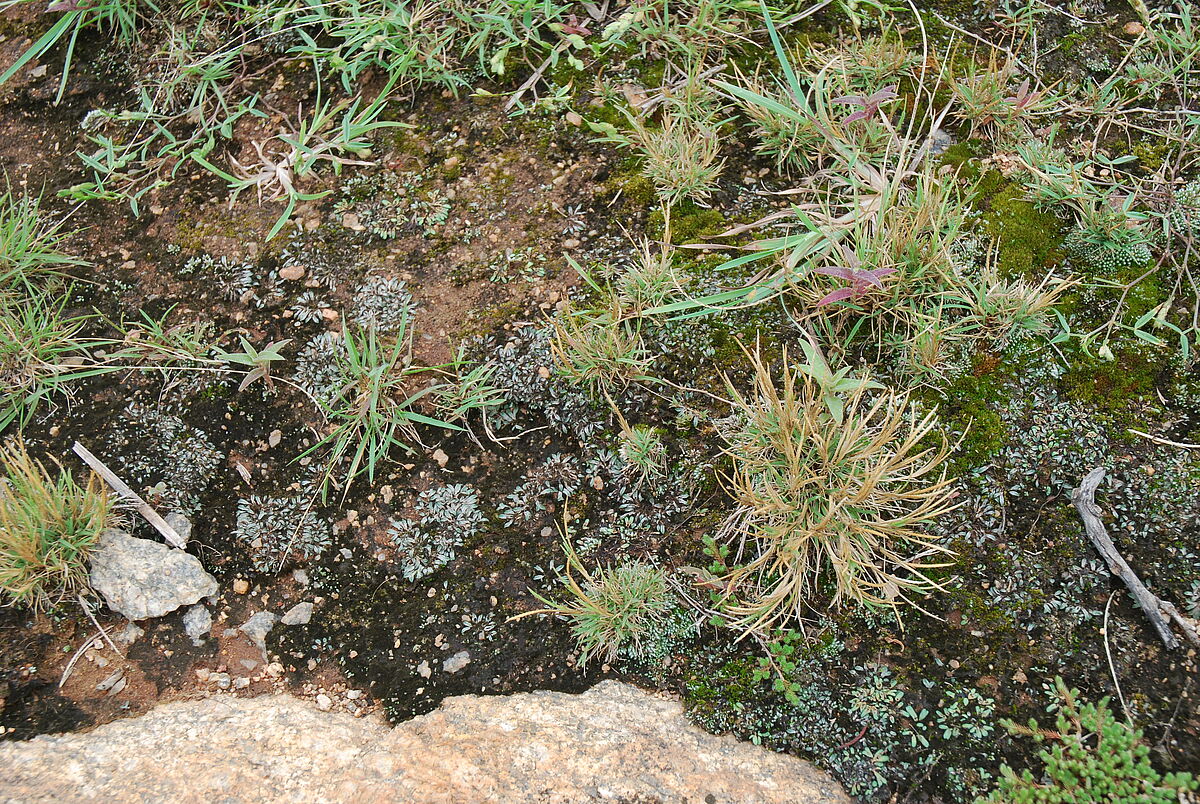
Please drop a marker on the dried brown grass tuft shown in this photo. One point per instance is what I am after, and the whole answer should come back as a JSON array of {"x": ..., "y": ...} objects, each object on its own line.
[{"x": 830, "y": 506}]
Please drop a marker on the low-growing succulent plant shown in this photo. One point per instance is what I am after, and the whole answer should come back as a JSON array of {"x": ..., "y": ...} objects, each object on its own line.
[
  {"x": 383, "y": 303},
  {"x": 1107, "y": 252},
  {"x": 444, "y": 517},
  {"x": 275, "y": 529},
  {"x": 524, "y": 369},
  {"x": 307, "y": 307},
  {"x": 180, "y": 455},
  {"x": 389, "y": 205},
  {"x": 319, "y": 368},
  {"x": 1185, "y": 213},
  {"x": 552, "y": 481},
  {"x": 235, "y": 279}
]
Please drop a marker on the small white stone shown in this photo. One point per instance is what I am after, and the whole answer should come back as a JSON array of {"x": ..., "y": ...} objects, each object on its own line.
[
  {"x": 324, "y": 702},
  {"x": 299, "y": 614},
  {"x": 130, "y": 634},
  {"x": 197, "y": 622},
  {"x": 456, "y": 662}
]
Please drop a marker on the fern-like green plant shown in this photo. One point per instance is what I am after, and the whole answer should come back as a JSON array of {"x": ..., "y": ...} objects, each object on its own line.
[{"x": 1089, "y": 756}]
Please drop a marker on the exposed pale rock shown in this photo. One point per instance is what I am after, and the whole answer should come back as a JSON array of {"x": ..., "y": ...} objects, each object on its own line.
[
  {"x": 140, "y": 578},
  {"x": 299, "y": 614},
  {"x": 197, "y": 622},
  {"x": 257, "y": 628},
  {"x": 182, "y": 525},
  {"x": 611, "y": 743},
  {"x": 456, "y": 662}
]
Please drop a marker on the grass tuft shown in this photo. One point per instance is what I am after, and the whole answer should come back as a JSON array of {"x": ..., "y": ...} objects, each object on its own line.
[
  {"x": 614, "y": 609},
  {"x": 29, "y": 244},
  {"x": 48, "y": 525},
  {"x": 830, "y": 499}
]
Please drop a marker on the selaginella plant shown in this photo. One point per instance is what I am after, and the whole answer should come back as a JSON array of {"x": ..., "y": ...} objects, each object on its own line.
[
  {"x": 48, "y": 525},
  {"x": 1089, "y": 755},
  {"x": 833, "y": 478}
]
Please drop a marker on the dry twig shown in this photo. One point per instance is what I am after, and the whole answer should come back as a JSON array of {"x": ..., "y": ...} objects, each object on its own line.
[
  {"x": 120, "y": 487},
  {"x": 1155, "y": 607}
]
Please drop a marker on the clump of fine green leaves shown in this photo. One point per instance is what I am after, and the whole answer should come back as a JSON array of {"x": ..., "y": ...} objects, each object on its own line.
[
  {"x": 48, "y": 526},
  {"x": 624, "y": 609},
  {"x": 1088, "y": 756}
]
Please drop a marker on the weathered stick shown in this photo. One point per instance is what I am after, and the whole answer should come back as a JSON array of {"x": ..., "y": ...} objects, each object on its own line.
[
  {"x": 120, "y": 487},
  {"x": 1084, "y": 498},
  {"x": 536, "y": 76},
  {"x": 1164, "y": 441}
]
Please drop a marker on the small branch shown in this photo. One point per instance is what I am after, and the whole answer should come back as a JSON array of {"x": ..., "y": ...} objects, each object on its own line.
[
  {"x": 1154, "y": 607},
  {"x": 87, "y": 643},
  {"x": 66, "y": 673},
  {"x": 1186, "y": 624},
  {"x": 120, "y": 487},
  {"x": 1112, "y": 668},
  {"x": 536, "y": 76},
  {"x": 849, "y": 743},
  {"x": 1165, "y": 442},
  {"x": 86, "y": 610}
]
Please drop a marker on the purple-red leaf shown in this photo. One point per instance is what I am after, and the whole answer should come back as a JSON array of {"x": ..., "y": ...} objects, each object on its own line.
[
  {"x": 869, "y": 105},
  {"x": 853, "y": 100},
  {"x": 837, "y": 295},
  {"x": 873, "y": 276},
  {"x": 840, "y": 271}
]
